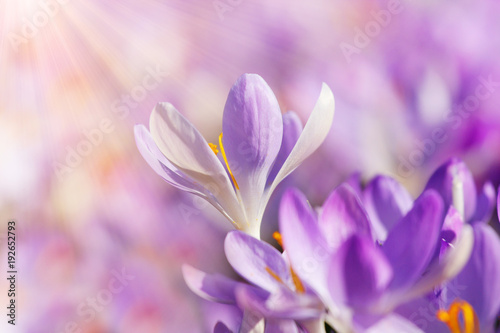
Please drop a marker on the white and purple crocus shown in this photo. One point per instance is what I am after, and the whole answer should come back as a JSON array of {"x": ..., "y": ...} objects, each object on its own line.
[
  {"x": 258, "y": 147},
  {"x": 360, "y": 278},
  {"x": 368, "y": 260}
]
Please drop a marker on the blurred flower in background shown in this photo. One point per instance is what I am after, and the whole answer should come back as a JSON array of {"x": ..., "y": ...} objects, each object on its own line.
[{"x": 414, "y": 82}]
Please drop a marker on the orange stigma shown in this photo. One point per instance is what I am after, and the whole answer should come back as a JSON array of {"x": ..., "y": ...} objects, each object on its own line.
[
  {"x": 214, "y": 148},
  {"x": 299, "y": 287},
  {"x": 452, "y": 318},
  {"x": 278, "y": 238},
  {"x": 273, "y": 274}
]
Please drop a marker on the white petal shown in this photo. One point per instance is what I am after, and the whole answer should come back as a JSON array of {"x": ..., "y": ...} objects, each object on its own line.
[
  {"x": 169, "y": 172},
  {"x": 158, "y": 162},
  {"x": 182, "y": 144},
  {"x": 313, "y": 135},
  {"x": 185, "y": 147}
]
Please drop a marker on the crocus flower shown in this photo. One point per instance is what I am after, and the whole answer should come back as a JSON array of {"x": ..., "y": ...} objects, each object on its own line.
[
  {"x": 275, "y": 293},
  {"x": 386, "y": 200},
  {"x": 361, "y": 281},
  {"x": 455, "y": 183},
  {"x": 259, "y": 148},
  {"x": 474, "y": 291}
]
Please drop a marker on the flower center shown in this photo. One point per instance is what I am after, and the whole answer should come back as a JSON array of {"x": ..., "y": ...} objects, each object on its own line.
[
  {"x": 452, "y": 318},
  {"x": 225, "y": 161}
]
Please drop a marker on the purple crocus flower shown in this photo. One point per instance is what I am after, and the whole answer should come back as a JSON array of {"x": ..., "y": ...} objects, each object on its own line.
[
  {"x": 476, "y": 288},
  {"x": 386, "y": 200},
  {"x": 478, "y": 284},
  {"x": 275, "y": 294},
  {"x": 455, "y": 183},
  {"x": 362, "y": 281},
  {"x": 259, "y": 148}
]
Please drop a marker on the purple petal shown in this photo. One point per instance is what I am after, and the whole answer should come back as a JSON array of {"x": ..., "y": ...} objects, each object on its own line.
[
  {"x": 479, "y": 281},
  {"x": 442, "y": 181},
  {"x": 437, "y": 272},
  {"x": 292, "y": 127},
  {"x": 359, "y": 272},
  {"x": 342, "y": 215},
  {"x": 450, "y": 232},
  {"x": 213, "y": 287},
  {"x": 498, "y": 204},
  {"x": 281, "y": 326},
  {"x": 282, "y": 303},
  {"x": 452, "y": 225},
  {"x": 303, "y": 241},
  {"x": 389, "y": 323},
  {"x": 220, "y": 327},
  {"x": 411, "y": 243},
  {"x": 422, "y": 313},
  {"x": 354, "y": 181},
  {"x": 253, "y": 129},
  {"x": 254, "y": 260},
  {"x": 386, "y": 202},
  {"x": 485, "y": 204}
]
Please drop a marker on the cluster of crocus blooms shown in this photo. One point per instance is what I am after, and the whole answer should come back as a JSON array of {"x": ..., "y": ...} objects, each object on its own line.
[{"x": 371, "y": 259}]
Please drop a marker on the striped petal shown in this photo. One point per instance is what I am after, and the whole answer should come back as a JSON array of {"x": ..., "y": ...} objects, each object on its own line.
[
  {"x": 187, "y": 150},
  {"x": 253, "y": 129}
]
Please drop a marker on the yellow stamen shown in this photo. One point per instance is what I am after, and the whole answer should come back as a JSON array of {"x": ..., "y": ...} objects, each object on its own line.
[
  {"x": 274, "y": 275},
  {"x": 214, "y": 148},
  {"x": 299, "y": 287},
  {"x": 227, "y": 164},
  {"x": 278, "y": 238},
  {"x": 452, "y": 318}
]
